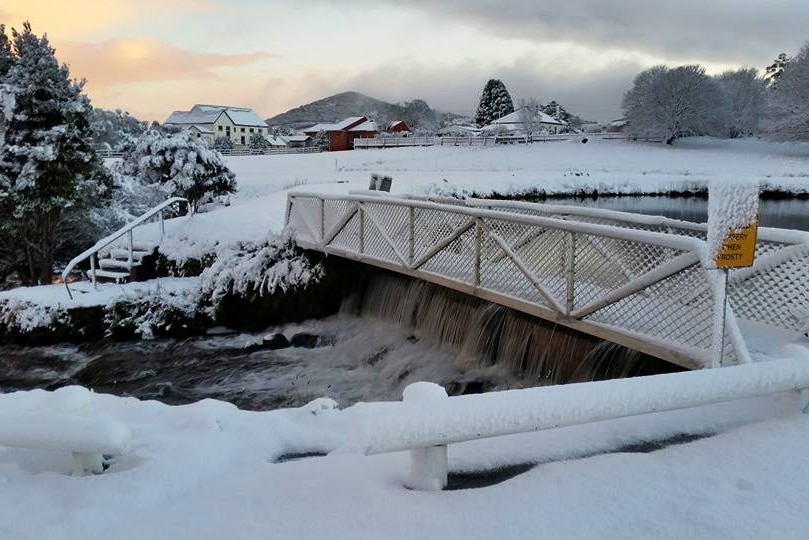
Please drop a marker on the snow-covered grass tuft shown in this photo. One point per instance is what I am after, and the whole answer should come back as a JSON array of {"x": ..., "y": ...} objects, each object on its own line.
[{"x": 259, "y": 268}]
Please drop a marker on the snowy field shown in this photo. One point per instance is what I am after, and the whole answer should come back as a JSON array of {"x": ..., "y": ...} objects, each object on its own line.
[{"x": 557, "y": 167}]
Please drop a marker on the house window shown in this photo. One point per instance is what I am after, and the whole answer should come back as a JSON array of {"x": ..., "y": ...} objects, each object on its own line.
[
  {"x": 197, "y": 135},
  {"x": 220, "y": 128},
  {"x": 242, "y": 130},
  {"x": 251, "y": 130}
]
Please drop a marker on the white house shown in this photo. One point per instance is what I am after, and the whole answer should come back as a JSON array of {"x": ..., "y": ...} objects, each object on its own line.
[
  {"x": 513, "y": 124},
  {"x": 208, "y": 122}
]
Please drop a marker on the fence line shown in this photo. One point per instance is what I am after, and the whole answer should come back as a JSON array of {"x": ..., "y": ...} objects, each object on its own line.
[{"x": 235, "y": 152}]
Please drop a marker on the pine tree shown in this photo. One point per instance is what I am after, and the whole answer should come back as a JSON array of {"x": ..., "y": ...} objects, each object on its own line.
[
  {"x": 495, "y": 102},
  {"x": 258, "y": 142},
  {"x": 787, "y": 112},
  {"x": 321, "y": 140},
  {"x": 222, "y": 143},
  {"x": 50, "y": 177},
  {"x": 776, "y": 69},
  {"x": 184, "y": 166}
]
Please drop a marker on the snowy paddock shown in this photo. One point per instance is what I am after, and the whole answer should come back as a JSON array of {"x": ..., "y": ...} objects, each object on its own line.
[{"x": 558, "y": 167}]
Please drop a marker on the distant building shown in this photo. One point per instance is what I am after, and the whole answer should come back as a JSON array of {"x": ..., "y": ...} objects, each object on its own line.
[
  {"x": 297, "y": 141},
  {"x": 619, "y": 125},
  {"x": 513, "y": 124},
  {"x": 207, "y": 122},
  {"x": 342, "y": 134},
  {"x": 399, "y": 127}
]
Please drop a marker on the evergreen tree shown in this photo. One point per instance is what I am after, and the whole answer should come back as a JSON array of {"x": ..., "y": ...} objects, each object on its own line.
[
  {"x": 184, "y": 166},
  {"x": 6, "y": 57},
  {"x": 495, "y": 102},
  {"x": 775, "y": 70},
  {"x": 50, "y": 177},
  {"x": 321, "y": 140},
  {"x": 115, "y": 130},
  {"x": 787, "y": 117}
]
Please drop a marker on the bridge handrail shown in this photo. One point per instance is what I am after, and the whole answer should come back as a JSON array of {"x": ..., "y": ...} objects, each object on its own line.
[
  {"x": 92, "y": 251},
  {"x": 678, "y": 242},
  {"x": 770, "y": 234}
]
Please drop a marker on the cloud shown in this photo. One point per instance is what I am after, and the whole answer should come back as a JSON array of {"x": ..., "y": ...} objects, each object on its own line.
[
  {"x": 120, "y": 61},
  {"x": 593, "y": 94},
  {"x": 720, "y": 31}
]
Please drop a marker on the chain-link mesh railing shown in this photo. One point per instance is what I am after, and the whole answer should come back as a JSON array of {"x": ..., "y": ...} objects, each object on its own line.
[{"x": 635, "y": 280}]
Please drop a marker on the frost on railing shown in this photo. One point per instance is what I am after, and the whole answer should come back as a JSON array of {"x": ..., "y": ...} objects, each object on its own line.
[{"x": 640, "y": 284}]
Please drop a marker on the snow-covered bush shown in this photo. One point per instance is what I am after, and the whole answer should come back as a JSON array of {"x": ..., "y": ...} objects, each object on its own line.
[
  {"x": 115, "y": 130},
  {"x": 222, "y": 144},
  {"x": 258, "y": 142},
  {"x": 258, "y": 268},
  {"x": 787, "y": 117},
  {"x": 181, "y": 164}
]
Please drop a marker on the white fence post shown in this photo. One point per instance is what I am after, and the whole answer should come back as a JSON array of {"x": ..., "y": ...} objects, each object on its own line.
[{"x": 428, "y": 466}]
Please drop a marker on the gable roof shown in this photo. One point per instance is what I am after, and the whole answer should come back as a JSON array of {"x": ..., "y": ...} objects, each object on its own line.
[
  {"x": 208, "y": 114},
  {"x": 343, "y": 125},
  {"x": 368, "y": 125},
  {"x": 514, "y": 118}
]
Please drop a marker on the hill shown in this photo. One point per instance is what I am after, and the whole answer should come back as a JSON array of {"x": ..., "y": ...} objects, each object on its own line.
[{"x": 416, "y": 113}]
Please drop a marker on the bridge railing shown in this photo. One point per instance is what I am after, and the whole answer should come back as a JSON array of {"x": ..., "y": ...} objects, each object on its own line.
[
  {"x": 647, "y": 290},
  {"x": 773, "y": 292}
]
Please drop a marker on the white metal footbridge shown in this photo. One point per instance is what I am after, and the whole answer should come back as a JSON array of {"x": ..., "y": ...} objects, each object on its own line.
[{"x": 639, "y": 281}]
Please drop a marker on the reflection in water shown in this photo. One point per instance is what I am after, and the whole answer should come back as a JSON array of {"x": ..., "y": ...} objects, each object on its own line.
[{"x": 787, "y": 214}]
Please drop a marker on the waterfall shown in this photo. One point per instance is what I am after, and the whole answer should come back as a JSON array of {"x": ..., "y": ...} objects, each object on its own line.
[{"x": 482, "y": 334}]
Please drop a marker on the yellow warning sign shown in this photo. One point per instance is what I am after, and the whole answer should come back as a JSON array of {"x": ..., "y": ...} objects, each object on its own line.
[{"x": 738, "y": 248}]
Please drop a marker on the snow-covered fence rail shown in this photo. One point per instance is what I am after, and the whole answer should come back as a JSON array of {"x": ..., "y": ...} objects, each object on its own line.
[
  {"x": 92, "y": 253},
  {"x": 647, "y": 290},
  {"x": 270, "y": 150},
  {"x": 427, "y": 421},
  {"x": 86, "y": 437},
  {"x": 773, "y": 292},
  {"x": 395, "y": 142}
]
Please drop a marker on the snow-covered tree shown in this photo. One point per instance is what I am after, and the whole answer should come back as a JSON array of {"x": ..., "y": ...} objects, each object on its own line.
[
  {"x": 181, "y": 164},
  {"x": 674, "y": 102},
  {"x": 495, "y": 102},
  {"x": 115, "y": 130},
  {"x": 529, "y": 109},
  {"x": 321, "y": 140},
  {"x": 787, "y": 113},
  {"x": 744, "y": 92},
  {"x": 222, "y": 143},
  {"x": 258, "y": 142},
  {"x": 776, "y": 69},
  {"x": 6, "y": 95},
  {"x": 50, "y": 176}
]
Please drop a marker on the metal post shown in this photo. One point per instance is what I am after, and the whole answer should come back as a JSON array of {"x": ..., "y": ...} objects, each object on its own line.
[
  {"x": 724, "y": 293},
  {"x": 131, "y": 247},
  {"x": 478, "y": 241},
  {"x": 362, "y": 228},
  {"x": 570, "y": 270},
  {"x": 93, "y": 271},
  {"x": 411, "y": 240},
  {"x": 322, "y": 219},
  {"x": 162, "y": 226}
]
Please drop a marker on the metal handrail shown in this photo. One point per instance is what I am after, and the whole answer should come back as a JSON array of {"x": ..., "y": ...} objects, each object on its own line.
[{"x": 92, "y": 252}]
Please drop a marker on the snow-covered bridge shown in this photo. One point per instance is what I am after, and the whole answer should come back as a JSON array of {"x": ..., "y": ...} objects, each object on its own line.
[{"x": 639, "y": 281}]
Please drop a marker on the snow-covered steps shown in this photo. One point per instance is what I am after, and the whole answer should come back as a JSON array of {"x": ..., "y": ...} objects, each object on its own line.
[
  {"x": 110, "y": 275},
  {"x": 118, "y": 266}
]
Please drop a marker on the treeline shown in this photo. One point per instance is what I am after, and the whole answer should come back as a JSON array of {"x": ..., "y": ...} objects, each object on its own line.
[{"x": 674, "y": 102}]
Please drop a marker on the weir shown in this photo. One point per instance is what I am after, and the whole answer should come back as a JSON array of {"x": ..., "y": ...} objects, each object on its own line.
[
  {"x": 639, "y": 281},
  {"x": 483, "y": 334}
]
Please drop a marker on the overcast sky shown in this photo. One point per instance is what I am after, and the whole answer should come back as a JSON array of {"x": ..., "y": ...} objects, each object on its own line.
[{"x": 154, "y": 56}]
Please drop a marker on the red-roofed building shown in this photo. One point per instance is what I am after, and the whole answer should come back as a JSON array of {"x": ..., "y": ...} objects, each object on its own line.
[
  {"x": 398, "y": 127},
  {"x": 342, "y": 134}
]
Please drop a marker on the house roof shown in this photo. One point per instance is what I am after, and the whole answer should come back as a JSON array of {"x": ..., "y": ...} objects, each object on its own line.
[
  {"x": 207, "y": 114},
  {"x": 276, "y": 141},
  {"x": 337, "y": 126},
  {"x": 398, "y": 123},
  {"x": 514, "y": 118},
  {"x": 296, "y": 138},
  {"x": 202, "y": 128},
  {"x": 368, "y": 125}
]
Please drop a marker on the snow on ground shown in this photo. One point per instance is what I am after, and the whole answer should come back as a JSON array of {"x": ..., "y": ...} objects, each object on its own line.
[
  {"x": 208, "y": 470},
  {"x": 557, "y": 167}
]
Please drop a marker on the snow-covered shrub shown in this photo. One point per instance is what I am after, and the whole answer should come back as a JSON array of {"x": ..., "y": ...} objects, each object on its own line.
[
  {"x": 258, "y": 142},
  {"x": 161, "y": 313},
  {"x": 252, "y": 268},
  {"x": 222, "y": 143},
  {"x": 181, "y": 164},
  {"x": 115, "y": 130}
]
